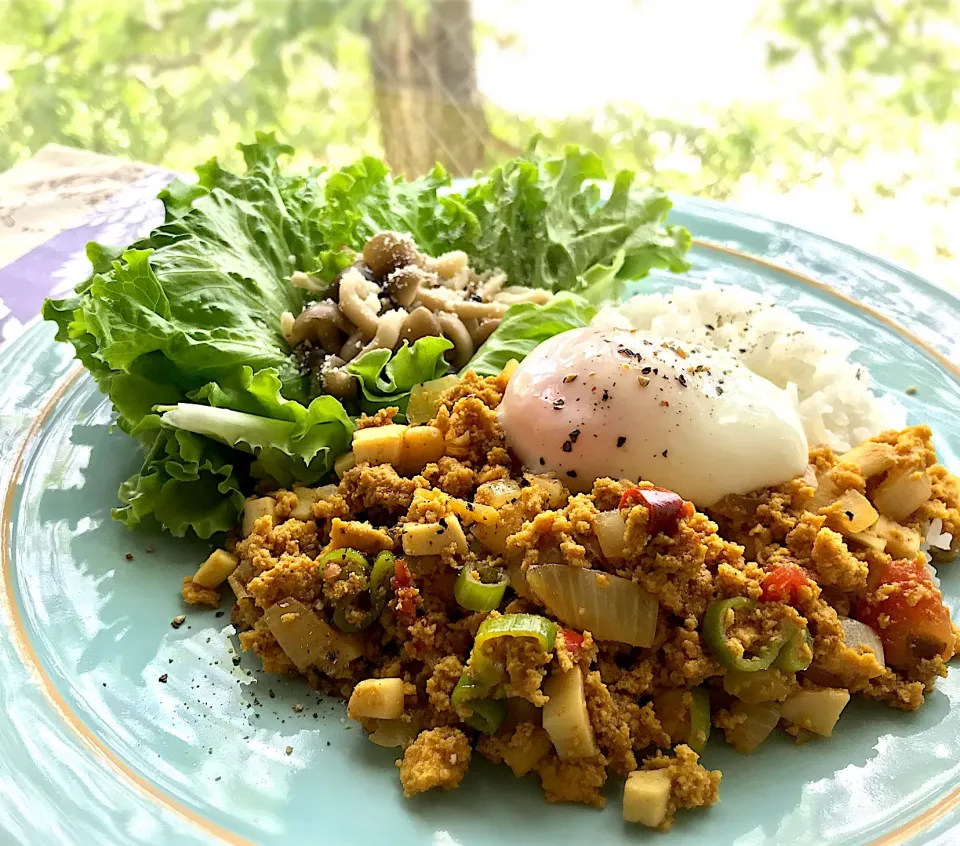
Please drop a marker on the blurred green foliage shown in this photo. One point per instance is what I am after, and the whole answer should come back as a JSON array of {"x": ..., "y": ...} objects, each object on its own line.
[{"x": 174, "y": 81}]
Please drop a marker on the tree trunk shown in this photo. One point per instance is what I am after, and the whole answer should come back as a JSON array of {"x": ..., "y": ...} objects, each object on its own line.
[{"x": 425, "y": 88}]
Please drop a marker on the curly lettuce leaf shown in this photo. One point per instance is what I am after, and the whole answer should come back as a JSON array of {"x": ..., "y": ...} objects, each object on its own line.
[
  {"x": 386, "y": 379},
  {"x": 190, "y": 315},
  {"x": 186, "y": 483},
  {"x": 525, "y": 326},
  {"x": 246, "y": 411},
  {"x": 545, "y": 222}
]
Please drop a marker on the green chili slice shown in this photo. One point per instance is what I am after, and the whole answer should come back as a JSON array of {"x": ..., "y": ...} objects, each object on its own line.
[
  {"x": 715, "y": 634},
  {"x": 517, "y": 625},
  {"x": 797, "y": 653},
  {"x": 483, "y": 594},
  {"x": 348, "y": 559},
  {"x": 376, "y": 593}
]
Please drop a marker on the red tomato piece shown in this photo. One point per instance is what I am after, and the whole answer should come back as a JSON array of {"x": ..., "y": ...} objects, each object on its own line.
[
  {"x": 782, "y": 583},
  {"x": 574, "y": 642},
  {"x": 905, "y": 608},
  {"x": 401, "y": 574},
  {"x": 665, "y": 507},
  {"x": 406, "y": 596}
]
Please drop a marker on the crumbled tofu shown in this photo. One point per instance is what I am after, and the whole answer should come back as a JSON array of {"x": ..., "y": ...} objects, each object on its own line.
[
  {"x": 198, "y": 594},
  {"x": 437, "y": 758}
]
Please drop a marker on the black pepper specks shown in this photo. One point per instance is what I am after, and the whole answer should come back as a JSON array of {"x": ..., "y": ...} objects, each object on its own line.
[
  {"x": 558, "y": 404},
  {"x": 574, "y": 435},
  {"x": 572, "y": 474},
  {"x": 621, "y": 441},
  {"x": 567, "y": 446}
]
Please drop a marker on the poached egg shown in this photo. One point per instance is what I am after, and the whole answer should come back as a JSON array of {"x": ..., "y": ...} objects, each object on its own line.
[{"x": 590, "y": 403}]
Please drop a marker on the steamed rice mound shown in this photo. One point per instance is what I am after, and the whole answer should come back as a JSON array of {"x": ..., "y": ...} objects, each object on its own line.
[{"x": 832, "y": 392}]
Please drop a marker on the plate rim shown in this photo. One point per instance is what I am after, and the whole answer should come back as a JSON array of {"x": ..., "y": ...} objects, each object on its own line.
[{"x": 917, "y": 825}]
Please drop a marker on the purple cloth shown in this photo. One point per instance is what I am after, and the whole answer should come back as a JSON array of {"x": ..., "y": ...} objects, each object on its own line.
[{"x": 55, "y": 267}]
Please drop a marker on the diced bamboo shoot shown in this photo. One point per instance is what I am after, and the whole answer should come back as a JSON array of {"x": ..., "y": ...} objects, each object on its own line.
[
  {"x": 254, "y": 509},
  {"x": 472, "y": 512},
  {"x": 902, "y": 493},
  {"x": 854, "y": 512},
  {"x": 433, "y": 538},
  {"x": 871, "y": 458},
  {"x": 565, "y": 716},
  {"x": 495, "y": 537},
  {"x": 379, "y": 444},
  {"x": 646, "y": 797},
  {"x": 554, "y": 489},
  {"x": 901, "y": 541},
  {"x": 306, "y": 497},
  {"x": 378, "y": 699},
  {"x": 216, "y": 569},
  {"x": 359, "y": 535},
  {"x": 816, "y": 710},
  {"x": 497, "y": 494},
  {"x": 422, "y": 445}
]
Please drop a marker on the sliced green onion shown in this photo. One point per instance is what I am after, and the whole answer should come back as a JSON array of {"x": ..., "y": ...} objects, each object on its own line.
[
  {"x": 715, "y": 634},
  {"x": 475, "y": 697},
  {"x": 488, "y": 714},
  {"x": 472, "y": 701},
  {"x": 797, "y": 653},
  {"x": 480, "y": 712},
  {"x": 377, "y": 591},
  {"x": 483, "y": 594}
]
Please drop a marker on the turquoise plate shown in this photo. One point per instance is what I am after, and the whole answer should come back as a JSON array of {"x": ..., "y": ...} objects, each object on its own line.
[{"x": 117, "y": 728}]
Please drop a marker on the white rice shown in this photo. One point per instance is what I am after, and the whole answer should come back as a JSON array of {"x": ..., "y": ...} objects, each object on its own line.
[{"x": 832, "y": 391}]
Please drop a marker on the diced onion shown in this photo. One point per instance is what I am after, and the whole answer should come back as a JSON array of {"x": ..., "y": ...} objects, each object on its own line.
[
  {"x": 759, "y": 720},
  {"x": 611, "y": 533},
  {"x": 610, "y": 607},
  {"x": 394, "y": 734},
  {"x": 857, "y": 634}
]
